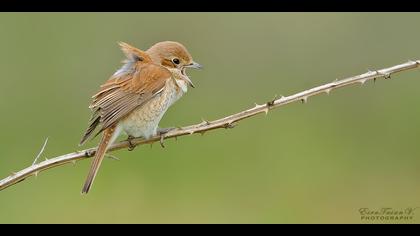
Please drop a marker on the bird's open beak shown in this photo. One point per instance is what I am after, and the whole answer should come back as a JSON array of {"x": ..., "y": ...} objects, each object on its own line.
[
  {"x": 189, "y": 81},
  {"x": 194, "y": 65}
]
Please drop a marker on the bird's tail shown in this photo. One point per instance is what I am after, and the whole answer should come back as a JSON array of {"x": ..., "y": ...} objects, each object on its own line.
[{"x": 108, "y": 137}]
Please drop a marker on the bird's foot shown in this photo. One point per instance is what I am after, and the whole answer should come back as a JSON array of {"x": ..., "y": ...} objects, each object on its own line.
[
  {"x": 161, "y": 132},
  {"x": 131, "y": 146}
]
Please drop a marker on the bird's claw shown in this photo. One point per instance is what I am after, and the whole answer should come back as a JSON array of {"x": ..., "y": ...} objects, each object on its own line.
[
  {"x": 131, "y": 146},
  {"x": 162, "y": 136},
  {"x": 161, "y": 132}
]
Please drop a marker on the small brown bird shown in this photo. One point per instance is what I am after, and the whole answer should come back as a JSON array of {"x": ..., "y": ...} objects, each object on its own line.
[{"x": 136, "y": 97}]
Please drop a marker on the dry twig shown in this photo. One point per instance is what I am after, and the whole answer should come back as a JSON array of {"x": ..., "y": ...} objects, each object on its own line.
[
  {"x": 41, "y": 151},
  {"x": 204, "y": 126}
]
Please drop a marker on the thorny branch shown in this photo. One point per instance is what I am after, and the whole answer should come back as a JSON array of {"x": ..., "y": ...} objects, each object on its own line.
[{"x": 204, "y": 126}]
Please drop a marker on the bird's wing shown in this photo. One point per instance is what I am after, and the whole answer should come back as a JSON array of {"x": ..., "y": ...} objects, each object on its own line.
[{"x": 121, "y": 95}]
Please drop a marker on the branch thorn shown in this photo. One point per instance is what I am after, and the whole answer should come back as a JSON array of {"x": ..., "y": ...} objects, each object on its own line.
[
  {"x": 328, "y": 91},
  {"x": 112, "y": 157},
  {"x": 204, "y": 121},
  {"x": 271, "y": 103},
  {"x": 230, "y": 125},
  {"x": 202, "y": 132}
]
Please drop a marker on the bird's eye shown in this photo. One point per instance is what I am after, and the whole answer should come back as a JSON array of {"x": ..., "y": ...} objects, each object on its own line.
[{"x": 175, "y": 61}]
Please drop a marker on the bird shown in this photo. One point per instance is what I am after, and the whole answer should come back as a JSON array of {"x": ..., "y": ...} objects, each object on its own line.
[{"x": 135, "y": 98}]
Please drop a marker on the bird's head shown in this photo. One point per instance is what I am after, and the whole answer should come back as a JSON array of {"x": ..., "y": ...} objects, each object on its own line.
[{"x": 173, "y": 55}]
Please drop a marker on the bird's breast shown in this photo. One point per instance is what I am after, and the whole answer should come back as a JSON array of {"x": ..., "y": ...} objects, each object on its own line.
[{"x": 143, "y": 121}]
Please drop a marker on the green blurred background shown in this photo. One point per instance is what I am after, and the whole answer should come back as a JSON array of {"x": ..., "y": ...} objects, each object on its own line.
[{"x": 313, "y": 163}]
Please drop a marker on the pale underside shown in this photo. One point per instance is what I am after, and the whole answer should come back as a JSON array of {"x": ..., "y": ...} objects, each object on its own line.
[{"x": 144, "y": 121}]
